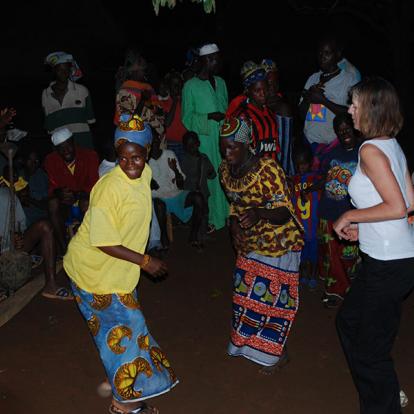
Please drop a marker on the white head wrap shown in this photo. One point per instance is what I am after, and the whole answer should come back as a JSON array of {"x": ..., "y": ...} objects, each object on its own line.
[
  {"x": 57, "y": 58},
  {"x": 208, "y": 49},
  {"x": 60, "y": 135}
]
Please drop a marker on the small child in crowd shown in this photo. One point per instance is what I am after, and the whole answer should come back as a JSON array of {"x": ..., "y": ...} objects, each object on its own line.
[
  {"x": 337, "y": 258},
  {"x": 306, "y": 199},
  {"x": 197, "y": 169}
]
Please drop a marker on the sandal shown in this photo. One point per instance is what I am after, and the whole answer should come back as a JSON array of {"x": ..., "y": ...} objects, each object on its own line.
[
  {"x": 36, "y": 261},
  {"x": 211, "y": 228},
  {"x": 60, "y": 293},
  {"x": 143, "y": 409}
]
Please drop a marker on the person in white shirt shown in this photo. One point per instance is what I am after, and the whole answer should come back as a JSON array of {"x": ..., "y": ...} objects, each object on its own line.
[
  {"x": 169, "y": 196},
  {"x": 383, "y": 195},
  {"x": 325, "y": 94}
]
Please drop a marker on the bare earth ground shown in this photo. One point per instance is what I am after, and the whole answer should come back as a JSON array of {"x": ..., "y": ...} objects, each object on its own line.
[{"x": 48, "y": 363}]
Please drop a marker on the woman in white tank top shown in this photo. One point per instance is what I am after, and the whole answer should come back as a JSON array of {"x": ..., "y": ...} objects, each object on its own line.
[{"x": 382, "y": 192}]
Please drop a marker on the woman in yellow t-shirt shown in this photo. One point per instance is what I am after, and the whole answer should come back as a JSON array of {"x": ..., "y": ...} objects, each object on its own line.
[
  {"x": 103, "y": 261},
  {"x": 268, "y": 241}
]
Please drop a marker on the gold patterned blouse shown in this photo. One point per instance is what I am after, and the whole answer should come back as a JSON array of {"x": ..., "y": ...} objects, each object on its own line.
[{"x": 263, "y": 187}]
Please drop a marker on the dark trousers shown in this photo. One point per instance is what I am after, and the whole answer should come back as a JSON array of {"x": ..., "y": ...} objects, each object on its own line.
[{"x": 367, "y": 325}]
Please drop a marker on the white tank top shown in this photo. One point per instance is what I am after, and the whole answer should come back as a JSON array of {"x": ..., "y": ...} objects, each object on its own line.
[{"x": 384, "y": 240}]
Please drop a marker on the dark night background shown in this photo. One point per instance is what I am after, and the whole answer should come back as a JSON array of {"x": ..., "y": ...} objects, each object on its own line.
[{"x": 378, "y": 37}]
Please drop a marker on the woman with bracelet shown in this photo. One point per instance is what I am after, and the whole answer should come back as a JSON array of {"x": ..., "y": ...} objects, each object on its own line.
[
  {"x": 382, "y": 193},
  {"x": 268, "y": 241},
  {"x": 104, "y": 260}
]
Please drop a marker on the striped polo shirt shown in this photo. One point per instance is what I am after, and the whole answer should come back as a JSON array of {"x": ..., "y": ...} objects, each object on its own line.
[{"x": 75, "y": 112}]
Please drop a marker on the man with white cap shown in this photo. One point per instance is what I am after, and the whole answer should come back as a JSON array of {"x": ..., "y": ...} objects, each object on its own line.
[
  {"x": 204, "y": 104},
  {"x": 67, "y": 103},
  {"x": 72, "y": 172}
]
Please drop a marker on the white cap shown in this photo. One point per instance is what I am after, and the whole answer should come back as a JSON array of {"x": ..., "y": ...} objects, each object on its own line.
[
  {"x": 60, "y": 135},
  {"x": 208, "y": 49}
]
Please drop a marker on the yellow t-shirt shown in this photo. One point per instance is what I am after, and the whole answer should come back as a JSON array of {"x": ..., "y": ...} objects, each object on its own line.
[{"x": 119, "y": 214}]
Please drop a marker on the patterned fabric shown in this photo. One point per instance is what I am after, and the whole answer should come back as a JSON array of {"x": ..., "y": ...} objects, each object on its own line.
[
  {"x": 337, "y": 260},
  {"x": 236, "y": 129},
  {"x": 307, "y": 211},
  {"x": 265, "y": 302},
  {"x": 263, "y": 187},
  {"x": 136, "y": 367},
  {"x": 128, "y": 98},
  {"x": 269, "y": 65},
  {"x": 132, "y": 128},
  {"x": 285, "y": 130},
  {"x": 265, "y": 138}
]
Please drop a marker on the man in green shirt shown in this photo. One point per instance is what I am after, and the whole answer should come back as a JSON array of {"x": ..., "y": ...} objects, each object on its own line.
[{"x": 204, "y": 104}]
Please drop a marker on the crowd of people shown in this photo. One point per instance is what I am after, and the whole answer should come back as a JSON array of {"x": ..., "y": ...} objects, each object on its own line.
[{"x": 313, "y": 192}]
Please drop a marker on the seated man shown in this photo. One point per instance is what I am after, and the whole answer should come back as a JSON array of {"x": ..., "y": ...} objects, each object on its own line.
[
  {"x": 72, "y": 172},
  {"x": 39, "y": 235},
  {"x": 34, "y": 197},
  {"x": 169, "y": 196}
]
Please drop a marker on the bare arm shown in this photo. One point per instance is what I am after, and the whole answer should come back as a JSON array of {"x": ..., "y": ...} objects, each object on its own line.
[
  {"x": 154, "y": 267},
  {"x": 277, "y": 216},
  {"x": 376, "y": 166}
]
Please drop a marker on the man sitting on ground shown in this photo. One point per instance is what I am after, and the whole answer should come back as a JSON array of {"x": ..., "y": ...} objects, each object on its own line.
[
  {"x": 72, "y": 172},
  {"x": 38, "y": 236}
]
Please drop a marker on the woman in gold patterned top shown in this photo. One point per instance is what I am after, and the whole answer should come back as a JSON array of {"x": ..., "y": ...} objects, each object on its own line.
[{"x": 268, "y": 241}]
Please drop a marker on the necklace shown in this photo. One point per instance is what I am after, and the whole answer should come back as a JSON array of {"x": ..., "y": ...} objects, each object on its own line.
[
  {"x": 327, "y": 75},
  {"x": 236, "y": 171}
]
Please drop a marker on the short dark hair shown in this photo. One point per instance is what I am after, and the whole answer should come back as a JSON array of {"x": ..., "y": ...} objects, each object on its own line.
[{"x": 379, "y": 108}]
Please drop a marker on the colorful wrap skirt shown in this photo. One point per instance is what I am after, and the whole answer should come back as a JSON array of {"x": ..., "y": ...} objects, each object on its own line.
[
  {"x": 136, "y": 367},
  {"x": 265, "y": 302},
  {"x": 338, "y": 260}
]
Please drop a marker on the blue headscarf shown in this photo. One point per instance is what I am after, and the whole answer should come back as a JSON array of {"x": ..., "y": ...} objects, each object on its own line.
[
  {"x": 133, "y": 129},
  {"x": 251, "y": 73}
]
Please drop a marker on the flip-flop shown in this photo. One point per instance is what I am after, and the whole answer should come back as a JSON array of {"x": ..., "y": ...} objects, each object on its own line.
[
  {"x": 36, "y": 260},
  {"x": 60, "y": 293}
]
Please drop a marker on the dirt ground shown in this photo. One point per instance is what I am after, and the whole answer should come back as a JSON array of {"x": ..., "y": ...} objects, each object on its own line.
[{"x": 48, "y": 363}]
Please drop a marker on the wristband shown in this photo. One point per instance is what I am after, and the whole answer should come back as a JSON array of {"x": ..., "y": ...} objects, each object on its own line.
[{"x": 146, "y": 259}]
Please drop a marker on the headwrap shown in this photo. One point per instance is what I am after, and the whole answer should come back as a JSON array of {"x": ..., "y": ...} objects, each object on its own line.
[
  {"x": 269, "y": 65},
  {"x": 251, "y": 72},
  {"x": 237, "y": 129},
  {"x": 56, "y": 58},
  {"x": 60, "y": 135},
  {"x": 208, "y": 49},
  {"x": 133, "y": 129}
]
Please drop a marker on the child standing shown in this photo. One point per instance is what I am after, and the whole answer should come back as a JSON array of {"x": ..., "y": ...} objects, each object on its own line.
[
  {"x": 197, "y": 168},
  {"x": 306, "y": 195},
  {"x": 337, "y": 258}
]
